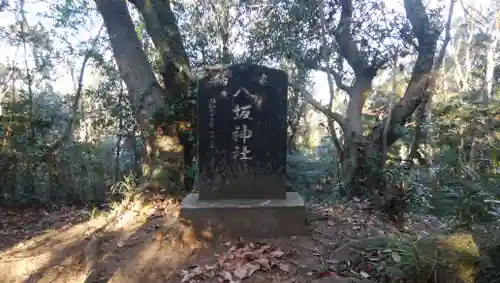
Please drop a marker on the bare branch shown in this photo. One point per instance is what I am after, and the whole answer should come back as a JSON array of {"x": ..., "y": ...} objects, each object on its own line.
[
  {"x": 477, "y": 12},
  {"x": 321, "y": 108},
  {"x": 326, "y": 54},
  {"x": 5, "y": 80},
  {"x": 447, "y": 37},
  {"x": 309, "y": 64},
  {"x": 336, "y": 76},
  {"x": 74, "y": 108}
]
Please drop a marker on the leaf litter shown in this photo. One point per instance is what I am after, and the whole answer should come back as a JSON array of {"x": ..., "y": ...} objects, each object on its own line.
[
  {"x": 325, "y": 253},
  {"x": 240, "y": 262},
  {"x": 336, "y": 227}
]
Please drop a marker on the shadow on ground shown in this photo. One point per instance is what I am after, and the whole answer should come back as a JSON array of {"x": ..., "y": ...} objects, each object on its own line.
[
  {"x": 19, "y": 225},
  {"x": 137, "y": 244},
  {"x": 143, "y": 243}
]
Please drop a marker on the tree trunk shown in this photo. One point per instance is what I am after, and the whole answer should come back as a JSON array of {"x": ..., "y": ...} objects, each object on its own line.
[
  {"x": 490, "y": 69},
  {"x": 294, "y": 115},
  {"x": 119, "y": 137},
  {"x": 365, "y": 160},
  {"x": 423, "y": 114},
  {"x": 151, "y": 102},
  {"x": 354, "y": 161},
  {"x": 224, "y": 34}
]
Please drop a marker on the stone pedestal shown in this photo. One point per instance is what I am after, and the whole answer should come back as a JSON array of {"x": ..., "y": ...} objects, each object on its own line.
[{"x": 247, "y": 218}]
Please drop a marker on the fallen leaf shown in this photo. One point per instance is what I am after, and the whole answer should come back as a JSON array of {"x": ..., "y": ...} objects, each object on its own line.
[
  {"x": 237, "y": 263},
  {"x": 265, "y": 247},
  {"x": 186, "y": 276},
  {"x": 364, "y": 274},
  {"x": 325, "y": 274},
  {"x": 197, "y": 270},
  {"x": 240, "y": 244},
  {"x": 222, "y": 259},
  {"x": 284, "y": 267},
  {"x": 277, "y": 253},
  {"x": 246, "y": 270},
  {"x": 241, "y": 272},
  {"x": 226, "y": 275},
  {"x": 250, "y": 255},
  {"x": 396, "y": 257},
  {"x": 315, "y": 252},
  {"x": 240, "y": 252},
  {"x": 264, "y": 263},
  {"x": 252, "y": 267},
  {"x": 209, "y": 267}
]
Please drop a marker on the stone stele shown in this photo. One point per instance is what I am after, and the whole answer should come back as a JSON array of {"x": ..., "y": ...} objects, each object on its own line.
[{"x": 242, "y": 155}]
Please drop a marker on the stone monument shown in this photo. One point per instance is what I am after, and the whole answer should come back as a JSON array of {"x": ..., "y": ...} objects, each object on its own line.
[{"x": 242, "y": 153}]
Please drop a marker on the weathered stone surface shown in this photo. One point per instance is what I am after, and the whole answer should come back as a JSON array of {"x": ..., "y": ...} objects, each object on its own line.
[
  {"x": 242, "y": 133},
  {"x": 248, "y": 218},
  {"x": 242, "y": 142}
]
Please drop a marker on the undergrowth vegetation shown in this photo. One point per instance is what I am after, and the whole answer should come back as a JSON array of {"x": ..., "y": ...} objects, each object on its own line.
[{"x": 460, "y": 187}]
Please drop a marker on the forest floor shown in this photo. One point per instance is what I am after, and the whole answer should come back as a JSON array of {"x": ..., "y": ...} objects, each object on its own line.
[{"x": 146, "y": 243}]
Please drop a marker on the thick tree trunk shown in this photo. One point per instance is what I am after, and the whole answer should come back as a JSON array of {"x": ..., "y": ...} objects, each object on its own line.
[
  {"x": 176, "y": 73},
  {"x": 353, "y": 156},
  {"x": 423, "y": 112},
  {"x": 162, "y": 27},
  {"x": 164, "y": 165},
  {"x": 366, "y": 158}
]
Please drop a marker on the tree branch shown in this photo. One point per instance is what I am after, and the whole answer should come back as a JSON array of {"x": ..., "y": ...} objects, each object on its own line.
[
  {"x": 312, "y": 65},
  {"x": 162, "y": 27},
  {"x": 321, "y": 108},
  {"x": 347, "y": 47},
  {"x": 76, "y": 102},
  {"x": 420, "y": 24},
  {"x": 424, "y": 109},
  {"x": 416, "y": 90},
  {"x": 143, "y": 90},
  {"x": 309, "y": 64},
  {"x": 447, "y": 37}
]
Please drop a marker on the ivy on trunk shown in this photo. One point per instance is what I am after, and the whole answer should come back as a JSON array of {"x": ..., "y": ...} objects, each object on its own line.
[{"x": 162, "y": 109}]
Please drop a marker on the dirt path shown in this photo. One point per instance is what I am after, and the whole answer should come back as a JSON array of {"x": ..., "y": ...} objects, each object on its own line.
[{"x": 146, "y": 244}]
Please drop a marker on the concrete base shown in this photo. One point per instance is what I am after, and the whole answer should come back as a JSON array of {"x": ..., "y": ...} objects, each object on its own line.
[{"x": 255, "y": 218}]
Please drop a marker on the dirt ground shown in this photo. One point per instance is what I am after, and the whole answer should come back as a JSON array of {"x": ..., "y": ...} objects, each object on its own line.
[{"x": 147, "y": 244}]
